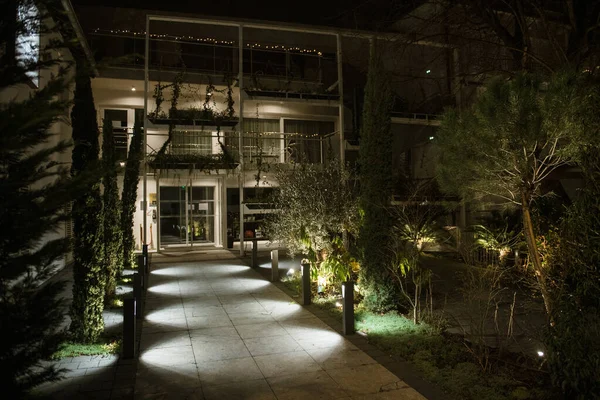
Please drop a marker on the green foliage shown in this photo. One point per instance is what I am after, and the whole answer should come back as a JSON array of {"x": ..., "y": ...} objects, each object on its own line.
[
  {"x": 573, "y": 342},
  {"x": 506, "y": 146},
  {"x": 130, "y": 185},
  {"x": 376, "y": 188},
  {"x": 315, "y": 204},
  {"x": 35, "y": 189},
  {"x": 89, "y": 268},
  {"x": 445, "y": 361},
  {"x": 508, "y": 143},
  {"x": 113, "y": 236},
  {"x": 339, "y": 266},
  {"x": 101, "y": 347}
]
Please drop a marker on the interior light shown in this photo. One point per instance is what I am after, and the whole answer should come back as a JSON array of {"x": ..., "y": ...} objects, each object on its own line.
[{"x": 133, "y": 88}]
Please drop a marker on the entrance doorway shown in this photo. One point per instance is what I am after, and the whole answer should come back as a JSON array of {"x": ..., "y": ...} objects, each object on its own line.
[{"x": 187, "y": 215}]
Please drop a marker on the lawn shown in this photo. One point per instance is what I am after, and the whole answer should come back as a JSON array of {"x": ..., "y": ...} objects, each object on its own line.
[{"x": 442, "y": 358}]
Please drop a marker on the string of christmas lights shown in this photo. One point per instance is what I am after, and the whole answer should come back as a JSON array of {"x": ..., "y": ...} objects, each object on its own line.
[
  {"x": 299, "y": 135},
  {"x": 207, "y": 40}
]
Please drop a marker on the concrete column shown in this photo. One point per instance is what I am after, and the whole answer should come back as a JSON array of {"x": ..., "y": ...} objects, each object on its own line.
[{"x": 274, "y": 265}]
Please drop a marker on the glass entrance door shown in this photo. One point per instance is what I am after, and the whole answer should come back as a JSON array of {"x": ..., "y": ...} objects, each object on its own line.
[{"x": 187, "y": 215}]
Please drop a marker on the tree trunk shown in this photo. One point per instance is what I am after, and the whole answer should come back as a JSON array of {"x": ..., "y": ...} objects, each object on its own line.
[{"x": 534, "y": 254}]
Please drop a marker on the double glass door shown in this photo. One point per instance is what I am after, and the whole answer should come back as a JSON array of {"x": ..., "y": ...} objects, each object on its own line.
[{"x": 187, "y": 215}]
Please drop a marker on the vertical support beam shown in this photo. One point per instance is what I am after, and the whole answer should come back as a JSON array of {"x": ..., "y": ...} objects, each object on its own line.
[
  {"x": 348, "y": 307},
  {"x": 306, "y": 284},
  {"x": 187, "y": 214},
  {"x": 240, "y": 129},
  {"x": 275, "y": 265},
  {"x": 223, "y": 210},
  {"x": 341, "y": 101},
  {"x": 145, "y": 131},
  {"x": 128, "y": 328},
  {"x": 157, "y": 176}
]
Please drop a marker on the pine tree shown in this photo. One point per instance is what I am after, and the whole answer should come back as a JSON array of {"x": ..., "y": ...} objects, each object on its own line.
[
  {"x": 130, "y": 185},
  {"x": 89, "y": 274},
  {"x": 35, "y": 189},
  {"x": 376, "y": 188},
  {"x": 113, "y": 236}
]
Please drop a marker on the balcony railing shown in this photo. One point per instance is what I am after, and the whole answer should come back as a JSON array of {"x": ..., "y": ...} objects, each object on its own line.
[{"x": 209, "y": 150}]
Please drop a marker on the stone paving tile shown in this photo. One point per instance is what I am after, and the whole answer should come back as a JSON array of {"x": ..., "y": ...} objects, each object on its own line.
[
  {"x": 169, "y": 356},
  {"x": 250, "y": 318},
  {"x": 226, "y": 371},
  {"x": 219, "y": 349},
  {"x": 332, "y": 358},
  {"x": 364, "y": 379},
  {"x": 297, "y": 362},
  {"x": 247, "y": 390},
  {"x": 311, "y": 385},
  {"x": 265, "y": 329},
  {"x": 217, "y": 333},
  {"x": 261, "y": 346}
]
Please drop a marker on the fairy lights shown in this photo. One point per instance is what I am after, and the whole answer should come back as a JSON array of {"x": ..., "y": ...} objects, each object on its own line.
[
  {"x": 208, "y": 40},
  {"x": 260, "y": 134}
]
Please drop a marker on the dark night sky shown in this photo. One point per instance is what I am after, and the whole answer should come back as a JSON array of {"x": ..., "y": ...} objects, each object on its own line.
[{"x": 366, "y": 14}]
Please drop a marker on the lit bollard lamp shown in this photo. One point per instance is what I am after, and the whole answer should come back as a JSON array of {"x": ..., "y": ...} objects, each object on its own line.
[
  {"x": 254, "y": 253},
  {"x": 146, "y": 259},
  {"x": 137, "y": 293},
  {"x": 129, "y": 328},
  {"x": 274, "y": 265},
  {"x": 348, "y": 307},
  {"x": 306, "y": 284}
]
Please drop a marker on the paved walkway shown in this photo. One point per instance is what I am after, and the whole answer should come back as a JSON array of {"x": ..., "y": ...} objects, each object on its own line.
[{"x": 216, "y": 329}]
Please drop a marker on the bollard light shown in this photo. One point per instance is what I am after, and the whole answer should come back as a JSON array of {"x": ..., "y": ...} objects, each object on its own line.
[
  {"x": 274, "y": 265},
  {"x": 348, "y": 307},
  {"x": 306, "y": 284}
]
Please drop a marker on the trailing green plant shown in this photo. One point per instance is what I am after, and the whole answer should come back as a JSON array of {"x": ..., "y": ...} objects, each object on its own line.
[
  {"x": 113, "y": 236},
  {"x": 129, "y": 196},
  {"x": 376, "y": 189},
  {"x": 89, "y": 267}
]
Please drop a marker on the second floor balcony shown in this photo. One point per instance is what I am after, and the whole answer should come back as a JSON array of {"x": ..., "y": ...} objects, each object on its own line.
[{"x": 213, "y": 151}]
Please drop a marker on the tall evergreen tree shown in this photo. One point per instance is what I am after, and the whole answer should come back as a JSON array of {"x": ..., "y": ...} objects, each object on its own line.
[
  {"x": 130, "y": 185},
  {"x": 34, "y": 190},
  {"x": 89, "y": 275},
  {"x": 376, "y": 188},
  {"x": 113, "y": 236}
]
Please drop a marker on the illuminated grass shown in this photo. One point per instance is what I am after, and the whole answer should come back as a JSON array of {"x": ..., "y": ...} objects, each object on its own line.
[{"x": 103, "y": 347}]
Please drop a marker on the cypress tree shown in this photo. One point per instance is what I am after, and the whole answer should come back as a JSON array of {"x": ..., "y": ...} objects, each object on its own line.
[
  {"x": 376, "y": 188},
  {"x": 113, "y": 236},
  {"x": 130, "y": 185},
  {"x": 35, "y": 189},
  {"x": 89, "y": 274}
]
